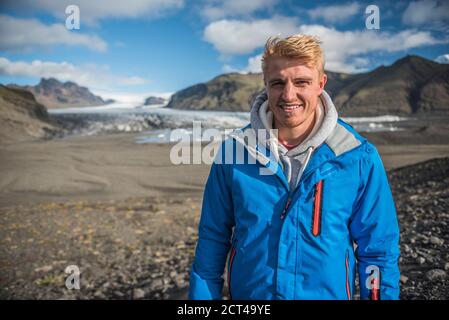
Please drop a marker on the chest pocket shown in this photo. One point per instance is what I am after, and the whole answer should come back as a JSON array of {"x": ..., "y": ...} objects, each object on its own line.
[{"x": 332, "y": 201}]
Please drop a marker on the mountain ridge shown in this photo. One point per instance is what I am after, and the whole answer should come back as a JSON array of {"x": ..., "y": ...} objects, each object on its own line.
[
  {"x": 410, "y": 85},
  {"x": 55, "y": 94},
  {"x": 22, "y": 117}
]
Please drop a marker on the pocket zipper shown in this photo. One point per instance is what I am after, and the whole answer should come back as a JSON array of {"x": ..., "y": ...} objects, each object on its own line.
[
  {"x": 231, "y": 260},
  {"x": 317, "y": 208},
  {"x": 374, "y": 293},
  {"x": 348, "y": 288}
]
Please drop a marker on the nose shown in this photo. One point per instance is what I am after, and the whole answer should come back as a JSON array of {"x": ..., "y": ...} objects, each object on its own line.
[{"x": 289, "y": 93}]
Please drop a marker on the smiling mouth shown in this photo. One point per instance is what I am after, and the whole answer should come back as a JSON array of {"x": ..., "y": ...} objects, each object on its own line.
[{"x": 290, "y": 107}]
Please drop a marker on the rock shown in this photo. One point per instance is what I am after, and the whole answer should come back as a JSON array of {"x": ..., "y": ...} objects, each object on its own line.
[
  {"x": 446, "y": 266},
  {"x": 44, "y": 269},
  {"x": 99, "y": 295},
  {"x": 437, "y": 241},
  {"x": 421, "y": 260},
  {"x": 435, "y": 274},
  {"x": 154, "y": 100},
  {"x": 180, "y": 282},
  {"x": 119, "y": 294},
  {"x": 157, "y": 284},
  {"x": 138, "y": 294},
  {"x": 404, "y": 279}
]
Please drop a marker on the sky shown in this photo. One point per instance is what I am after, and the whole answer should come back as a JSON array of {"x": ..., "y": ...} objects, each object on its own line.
[{"x": 128, "y": 50}]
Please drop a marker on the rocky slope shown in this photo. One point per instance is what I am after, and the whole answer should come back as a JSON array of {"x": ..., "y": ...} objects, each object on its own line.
[
  {"x": 154, "y": 100},
  {"x": 228, "y": 92},
  {"x": 409, "y": 86},
  {"x": 22, "y": 117},
  {"x": 55, "y": 94}
]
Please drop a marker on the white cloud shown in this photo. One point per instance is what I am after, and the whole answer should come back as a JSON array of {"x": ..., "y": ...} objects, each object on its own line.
[
  {"x": 231, "y": 37},
  {"x": 362, "y": 42},
  {"x": 236, "y": 37},
  {"x": 426, "y": 12},
  {"x": 254, "y": 64},
  {"x": 26, "y": 34},
  {"x": 337, "y": 13},
  {"x": 93, "y": 11},
  {"x": 99, "y": 78},
  {"x": 228, "y": 69},
  {"x": 217, "y": 9}
]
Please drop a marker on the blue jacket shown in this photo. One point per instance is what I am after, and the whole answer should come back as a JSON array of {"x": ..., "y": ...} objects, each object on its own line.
[{"x": 306, "y": 243}]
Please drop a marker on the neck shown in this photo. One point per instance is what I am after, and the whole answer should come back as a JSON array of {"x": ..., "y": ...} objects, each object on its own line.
[{"x": 296, "y": 135}]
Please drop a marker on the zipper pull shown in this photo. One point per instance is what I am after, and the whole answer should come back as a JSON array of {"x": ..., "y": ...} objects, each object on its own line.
[{"x": 284, "y": 212}]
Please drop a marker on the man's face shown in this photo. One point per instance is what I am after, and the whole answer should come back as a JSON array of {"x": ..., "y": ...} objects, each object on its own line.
[{"x": 293, "y": 91}]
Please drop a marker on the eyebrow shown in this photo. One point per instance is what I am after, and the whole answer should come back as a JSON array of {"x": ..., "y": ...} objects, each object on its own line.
[
  {"x": 304, "y": 79},
  {"x": 296, "y": 79}
]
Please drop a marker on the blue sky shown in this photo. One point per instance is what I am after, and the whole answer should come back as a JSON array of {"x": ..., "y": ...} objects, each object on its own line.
[{"x": 130, "y": 49}]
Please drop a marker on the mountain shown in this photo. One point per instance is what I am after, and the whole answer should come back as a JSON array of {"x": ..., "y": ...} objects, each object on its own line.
[
  {"x": 154, "y": 100},
  {"x": 22, "y": 117},
  {"x": 442, "y": 59},
  {"x": 410, "y": 85},
  {"x": 228, "y": 92},
  {"x": 55, "y": 94},
  {"x": 336, "y": 81}
]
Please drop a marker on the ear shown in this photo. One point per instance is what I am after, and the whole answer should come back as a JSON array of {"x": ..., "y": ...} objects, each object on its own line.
[{"x": 322, "y": 82}]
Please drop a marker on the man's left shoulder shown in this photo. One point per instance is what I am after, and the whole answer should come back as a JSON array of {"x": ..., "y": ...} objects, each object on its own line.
[
  {"x": 369, "y": 149},
  {"x": 344, "y": 138}
]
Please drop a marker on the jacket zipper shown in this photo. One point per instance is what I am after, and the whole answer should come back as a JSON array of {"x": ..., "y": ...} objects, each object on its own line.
[
  {"x": 231, "y": 260},
  {"x": 287, "y": 204},
  {"x": 317, "y": 209},
  {"x": 348, "y": 287}
]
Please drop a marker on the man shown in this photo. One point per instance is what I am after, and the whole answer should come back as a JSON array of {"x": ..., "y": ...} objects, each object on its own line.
[{"x": 325, "y": 212}]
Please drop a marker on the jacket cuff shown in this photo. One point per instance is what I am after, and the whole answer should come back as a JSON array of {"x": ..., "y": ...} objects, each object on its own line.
[{"x": 201, "y": 289}]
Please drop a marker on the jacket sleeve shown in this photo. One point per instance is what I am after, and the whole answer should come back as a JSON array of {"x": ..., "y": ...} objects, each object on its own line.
[
  {"x": 214, "y": 235},
  {"x": 374, "y": 228}
]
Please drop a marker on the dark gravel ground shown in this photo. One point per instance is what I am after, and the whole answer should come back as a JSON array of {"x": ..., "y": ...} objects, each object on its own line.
[
  {"x": 133, "y": 249},
  {"x": 142, "y": 248},
  {"x": 421, "y": 193}
]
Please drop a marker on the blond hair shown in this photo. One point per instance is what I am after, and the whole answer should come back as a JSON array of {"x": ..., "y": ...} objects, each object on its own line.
[{"x": 300, "y": 46}]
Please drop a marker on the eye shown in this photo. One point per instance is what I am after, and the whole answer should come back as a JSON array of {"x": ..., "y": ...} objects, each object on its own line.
[
  {"x": 302, "y": 83},
  {"x": 277, "y": 84}
]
